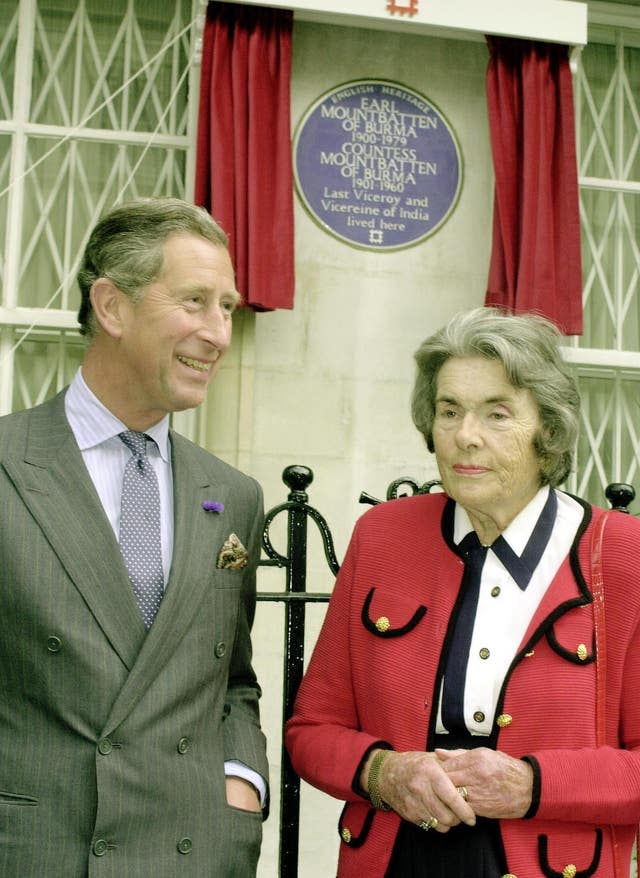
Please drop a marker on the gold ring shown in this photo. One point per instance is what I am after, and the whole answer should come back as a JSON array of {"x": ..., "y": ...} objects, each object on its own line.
[
  {"x": 428, "y": 824},
  {"x": 464, "y": 792},
  {"x": 424, "y": 825}
]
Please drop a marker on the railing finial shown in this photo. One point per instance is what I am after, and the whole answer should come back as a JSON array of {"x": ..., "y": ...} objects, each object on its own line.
[
  {"x": 297, "y": 478},
  {"x": 620, "y": 495}
]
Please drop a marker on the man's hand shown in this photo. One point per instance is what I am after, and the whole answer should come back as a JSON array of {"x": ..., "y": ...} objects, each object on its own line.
[{"x": 242, "y": 794}]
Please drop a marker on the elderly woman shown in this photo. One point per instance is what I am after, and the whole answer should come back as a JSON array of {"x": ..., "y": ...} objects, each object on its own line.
[{"x": 452, "y": 697}]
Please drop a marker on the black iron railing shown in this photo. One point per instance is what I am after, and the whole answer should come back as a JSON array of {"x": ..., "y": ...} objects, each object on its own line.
[{"x": 295, "y": 597}]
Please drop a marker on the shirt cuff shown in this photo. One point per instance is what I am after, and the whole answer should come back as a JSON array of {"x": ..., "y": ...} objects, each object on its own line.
[{"x": 233, "y": 768}]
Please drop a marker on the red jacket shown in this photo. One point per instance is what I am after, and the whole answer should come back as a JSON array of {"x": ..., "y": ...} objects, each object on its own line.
[{"x": 365, "y": 685}]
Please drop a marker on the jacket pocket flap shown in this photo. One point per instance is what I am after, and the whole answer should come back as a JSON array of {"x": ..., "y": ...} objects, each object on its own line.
[
  {"x": 388, "y": 614},
  {"x": 355, "y": 822},
  {"x": 572, "y": 636}
]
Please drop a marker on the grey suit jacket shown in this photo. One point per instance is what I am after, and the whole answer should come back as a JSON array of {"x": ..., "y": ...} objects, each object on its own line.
[{"x": 112, "y": 740}]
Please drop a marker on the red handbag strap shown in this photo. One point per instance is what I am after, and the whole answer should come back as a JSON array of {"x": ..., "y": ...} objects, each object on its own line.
[{"x": 597, "y": 589}]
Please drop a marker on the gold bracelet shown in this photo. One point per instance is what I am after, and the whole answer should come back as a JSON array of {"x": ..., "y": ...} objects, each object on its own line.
[{"x": 372, "y": 781}]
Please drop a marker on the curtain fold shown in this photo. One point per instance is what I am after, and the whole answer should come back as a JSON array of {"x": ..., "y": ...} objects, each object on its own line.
[
  {"x": 244, "y": 171},
  {"x": 535, "y": 260}
]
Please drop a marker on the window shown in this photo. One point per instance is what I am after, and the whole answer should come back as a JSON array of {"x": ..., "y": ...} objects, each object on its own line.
[
  {"x": 94, "y": 109},
  {"x": 607, "y": 355}
]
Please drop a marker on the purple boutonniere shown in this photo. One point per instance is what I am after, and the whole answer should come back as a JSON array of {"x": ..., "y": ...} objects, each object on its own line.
[{"x": 212, "y": 506}]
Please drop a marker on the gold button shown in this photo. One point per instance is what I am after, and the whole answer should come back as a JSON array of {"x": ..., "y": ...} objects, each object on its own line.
[
  {"x": 346, "y": 835},
  {"x": 569, "y": 871},
  {"x": 504, "y": 720},
  {"x": 478, "y": 716},
  {"x": 484, "y": 653},
  {"x": 529, "y": 654},
  {"x": 581, "y": 652},
  {"x": 383, "y": 624},
  {"x": 495, "y": 591},
  {"x": 509, "y": 875}
]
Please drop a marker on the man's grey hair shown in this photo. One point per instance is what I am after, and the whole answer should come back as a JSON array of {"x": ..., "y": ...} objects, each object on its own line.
[
  {"x": 126, "y": 246},
  {"x": 528, "y": 346}
]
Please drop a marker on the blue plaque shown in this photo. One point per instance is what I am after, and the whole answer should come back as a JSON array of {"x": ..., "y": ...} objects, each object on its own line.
[{"x": 377, "y": 165}]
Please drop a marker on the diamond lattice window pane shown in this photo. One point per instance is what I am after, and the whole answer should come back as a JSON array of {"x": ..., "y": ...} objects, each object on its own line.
[
  {"x": 8, "y": 37},
  {"x": 43, "y": 368},
  {"x": 611, "y": 269},
  {"x": 597, "y": 80},
  {"x": 598, "y": 213},
  {"x": 631, "y": 113},
  {"x": 608, "y": 448},
  {"x": 5, "y": 159},
  {"x": 81, "y": 180},
  {"x": 112, "y": 66}
]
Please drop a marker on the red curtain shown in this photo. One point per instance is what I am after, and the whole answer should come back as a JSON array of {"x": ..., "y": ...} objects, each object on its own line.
[
  {"x": 535, "y": 260},
  {"x": 243, "y": 163}
]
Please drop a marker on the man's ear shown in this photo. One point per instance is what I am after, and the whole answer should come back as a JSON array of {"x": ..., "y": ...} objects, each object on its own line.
[{"x": 108, "y": 303}]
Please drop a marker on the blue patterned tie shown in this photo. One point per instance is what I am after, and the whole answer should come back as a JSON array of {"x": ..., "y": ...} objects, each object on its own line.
[{"x": 140, "y": 533}]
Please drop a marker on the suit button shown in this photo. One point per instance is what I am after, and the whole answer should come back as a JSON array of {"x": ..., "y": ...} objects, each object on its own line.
[
  {"x": 220, "y": 649},
  {"x": 100, "y": 847},
  {"x": 183, "y": 745},
  {"x": 346, "y": 835},
  {"x": 105, "y": 747},
  {"x": 478, "y": 716},
  {"x": 54, "y": 644},
  {"x": 185, "y": 846}
]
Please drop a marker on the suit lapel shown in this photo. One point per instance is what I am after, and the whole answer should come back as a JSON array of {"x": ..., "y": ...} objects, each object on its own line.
[
  {"x": 197, "y": 536},
  {"x": 54, "y": 484}
]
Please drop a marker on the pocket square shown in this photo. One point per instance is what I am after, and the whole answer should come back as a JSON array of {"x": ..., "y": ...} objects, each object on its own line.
[{"x": 233, "y": 555}]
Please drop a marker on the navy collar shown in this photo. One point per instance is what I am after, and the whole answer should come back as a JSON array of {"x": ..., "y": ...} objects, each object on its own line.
[{"x": 520, "y": 567}]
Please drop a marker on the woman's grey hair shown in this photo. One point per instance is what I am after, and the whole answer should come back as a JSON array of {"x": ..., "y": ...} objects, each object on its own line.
[
  {"x": 126, "y": 246},
  {"x": 528, "y": 346}
]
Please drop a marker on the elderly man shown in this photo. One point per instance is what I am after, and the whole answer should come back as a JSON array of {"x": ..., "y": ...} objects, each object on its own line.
[{"x": 130, "y": 743}]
